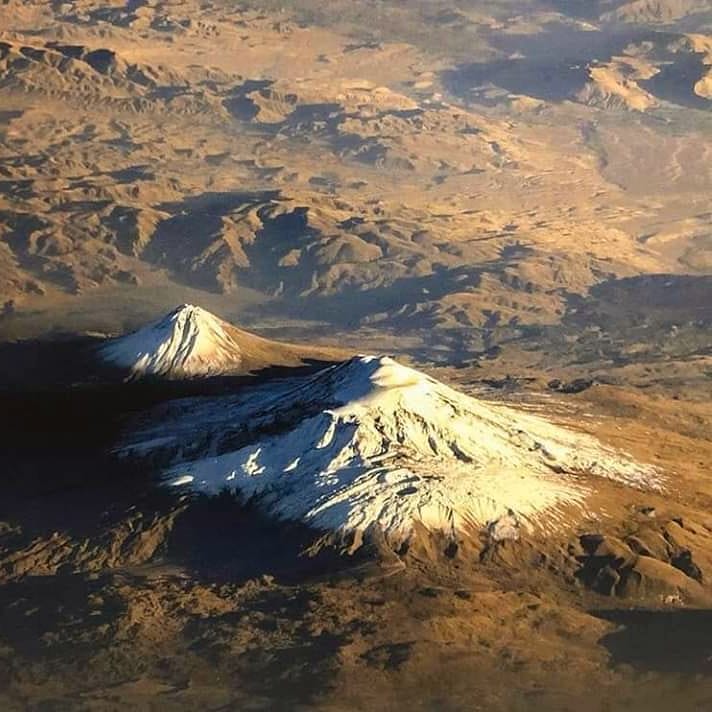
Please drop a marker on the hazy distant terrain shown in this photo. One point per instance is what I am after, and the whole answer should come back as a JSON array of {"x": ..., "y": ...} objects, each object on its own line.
[
  {"x": 459, "y": 168},
  {"x": 515, "y": 195}
]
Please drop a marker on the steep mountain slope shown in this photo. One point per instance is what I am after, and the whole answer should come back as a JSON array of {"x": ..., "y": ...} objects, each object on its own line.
[{"x": 371, "y": 443}]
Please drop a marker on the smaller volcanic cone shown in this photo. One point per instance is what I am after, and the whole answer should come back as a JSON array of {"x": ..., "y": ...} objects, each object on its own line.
[
  {"x": 190, "y": 342},
  {"x": 187, "y": 342}
]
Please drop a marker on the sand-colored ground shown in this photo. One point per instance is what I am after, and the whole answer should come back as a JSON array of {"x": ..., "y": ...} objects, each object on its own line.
[
  {"x": 514, "y": 196},
  {"x": 346, "y": 175}
]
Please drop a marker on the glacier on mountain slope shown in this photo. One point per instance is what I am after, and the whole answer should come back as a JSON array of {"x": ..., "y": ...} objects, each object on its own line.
[
  {"x": 189, "y": 341},
  {"x": 371, "y": 442}
]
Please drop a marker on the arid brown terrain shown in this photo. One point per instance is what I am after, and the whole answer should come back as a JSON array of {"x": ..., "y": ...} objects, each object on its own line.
[{"x": 515, "y": 196}]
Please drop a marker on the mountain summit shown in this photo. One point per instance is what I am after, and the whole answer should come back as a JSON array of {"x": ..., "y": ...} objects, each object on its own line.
[
  {"x": 371, "y": 442},
  {"x": 190, "y": 342}
]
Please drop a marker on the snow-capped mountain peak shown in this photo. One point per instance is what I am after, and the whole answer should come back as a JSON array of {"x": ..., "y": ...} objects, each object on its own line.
[
  {"x": 188, "y": 341},
  {"x": 371, "y": 442}
]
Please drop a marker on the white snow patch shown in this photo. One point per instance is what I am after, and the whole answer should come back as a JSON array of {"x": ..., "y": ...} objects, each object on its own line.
[
  {"x": 188, "y": 341},
  {"x": 372, "y": 442}
]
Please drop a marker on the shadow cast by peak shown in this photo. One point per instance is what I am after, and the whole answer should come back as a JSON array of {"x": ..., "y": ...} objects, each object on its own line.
[
  {"x": 101, "y": 516},
  {"x": 397, "y": 300},
  {"x": 55, "y": 360},
  {"x": 64, "y": 412},
  {"x": 655, "y": 299},
  {"x": 66, "y": 360},
  {"x": 620, "y": 321},
  {"x": 85, "y": 419},
  {"x": 35, "y": 610},
  {"x": 673, "y": 641},
  {"x": 554, "y": 65},
  {"x": 222, "y": 539},
  {"x": 551, "y": 65}
]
